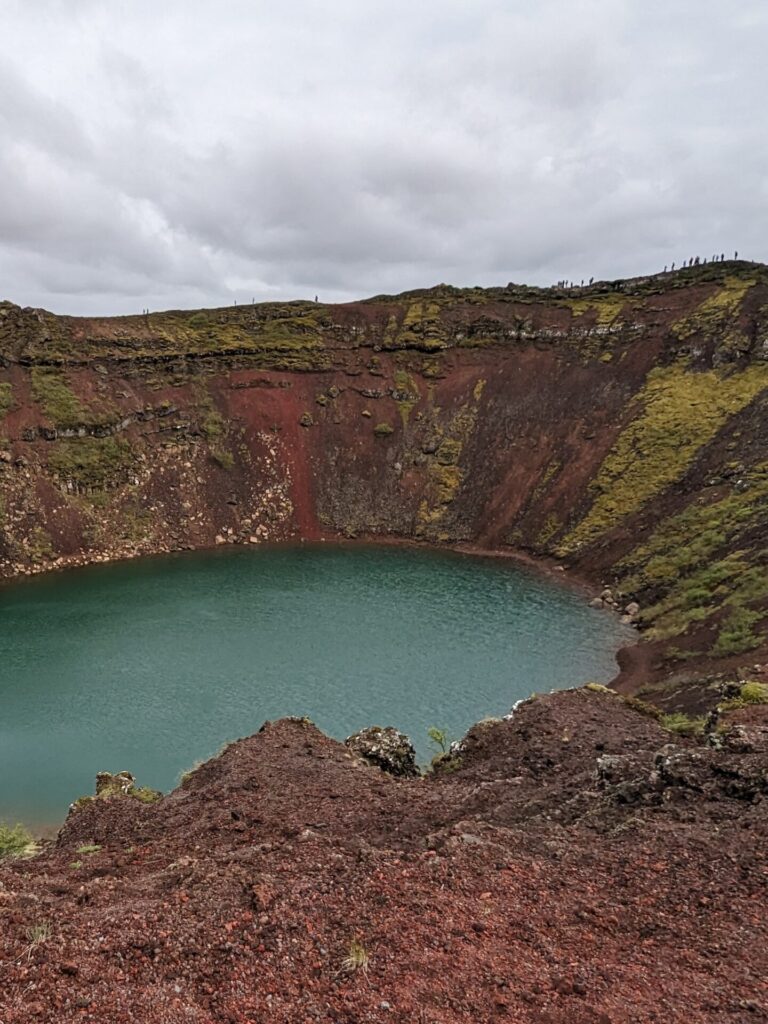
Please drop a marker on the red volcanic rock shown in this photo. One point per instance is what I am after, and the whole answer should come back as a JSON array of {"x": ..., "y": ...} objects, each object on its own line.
[{"x": 291, "y": 884}]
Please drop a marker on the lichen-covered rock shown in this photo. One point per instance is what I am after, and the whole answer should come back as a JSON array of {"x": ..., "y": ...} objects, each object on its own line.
[
  {"x": 118, "y": 785},
  {"x": 387, "y": 748}
]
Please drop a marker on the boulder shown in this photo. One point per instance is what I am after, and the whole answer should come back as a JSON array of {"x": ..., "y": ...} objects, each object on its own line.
[{"x": 387, "y": 748}]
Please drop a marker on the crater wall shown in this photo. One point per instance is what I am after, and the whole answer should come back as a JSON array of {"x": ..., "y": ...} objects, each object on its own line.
[{"x": 619, "y": 429}]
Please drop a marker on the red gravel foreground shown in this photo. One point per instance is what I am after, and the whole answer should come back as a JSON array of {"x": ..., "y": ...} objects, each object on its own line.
[{"x": 576, "y": 867}]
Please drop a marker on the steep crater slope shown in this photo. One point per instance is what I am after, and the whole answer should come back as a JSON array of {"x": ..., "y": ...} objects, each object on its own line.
[{"x": 618, "y": 428}]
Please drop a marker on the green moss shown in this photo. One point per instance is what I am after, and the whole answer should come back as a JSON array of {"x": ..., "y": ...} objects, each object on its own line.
[
  {"x": 383, "y": 429},
  {"x": 449, "y": 451},
  {"x": 6, "y": 398},
  {"x": 736, "y": 634},
  {"x": 91, "y": 462},
  {"x": 406, "y": 394},
  {"x": 88, "y": 849},
  {"x": 754, "y": 693},
  {"x": 678, "y": 412},
  {"x": 51, "y": 391},
  {"x": 421, "y": 328},
  {"x": 549, "y": 528},
  {"x": 688, "y": 543},
  {"x": 682, "y": 724},
  {"x": 145, "y": 795},
  {"x": 606, "y": 308},
  {"x": 715, "y": 310}
]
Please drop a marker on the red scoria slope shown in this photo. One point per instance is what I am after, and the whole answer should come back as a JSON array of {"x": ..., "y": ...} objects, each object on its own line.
[{"x": 575, "y": 867}]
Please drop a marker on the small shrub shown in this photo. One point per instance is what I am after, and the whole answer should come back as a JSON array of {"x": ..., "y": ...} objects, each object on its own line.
[
  {"x": 383, "y": 429},
  {"x": 16, "y": 842},
  {"x": 439, "y": 738},
  {"x": 88, "y": 849}
]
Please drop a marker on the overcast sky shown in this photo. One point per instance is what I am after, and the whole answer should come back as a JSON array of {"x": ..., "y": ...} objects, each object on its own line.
[{"x": 180, "y": 153}]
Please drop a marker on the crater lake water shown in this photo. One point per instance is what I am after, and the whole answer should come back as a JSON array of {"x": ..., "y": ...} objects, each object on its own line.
[{"x": 154, "y": 664}]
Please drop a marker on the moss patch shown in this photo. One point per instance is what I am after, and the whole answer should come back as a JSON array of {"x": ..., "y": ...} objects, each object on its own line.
[
  {"x": 606, "y": 308},
  {"x": 680, "y": 411},
  {"x": 91, "y": 462},
  {"x": 53, "y": 394},
  {"x": 718, "y": 308},
  {"x": 6, "y": 398}
]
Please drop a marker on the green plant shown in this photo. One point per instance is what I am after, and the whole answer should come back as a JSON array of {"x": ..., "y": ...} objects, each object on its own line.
[
  {"x": 383, "y": 429},
  {"x": 357, "y": 958},
  {"x": 439, "y": 738},
  {"x": 38, "y": 933},
  {"x": 16, "y": 841},
  {"x": 88, "y": 849},
  {"x": 682, "y": 724}
]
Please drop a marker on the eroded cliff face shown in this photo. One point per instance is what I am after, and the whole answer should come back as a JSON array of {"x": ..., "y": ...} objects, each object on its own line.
[{"x": 620, "y": 429}]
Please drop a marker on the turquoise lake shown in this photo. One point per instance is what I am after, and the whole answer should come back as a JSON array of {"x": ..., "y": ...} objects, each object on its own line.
[{"x": 154, "y": 664}]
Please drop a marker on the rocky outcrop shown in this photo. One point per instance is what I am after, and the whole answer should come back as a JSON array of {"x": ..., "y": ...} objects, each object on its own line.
[{"x": 388, "y": 749}]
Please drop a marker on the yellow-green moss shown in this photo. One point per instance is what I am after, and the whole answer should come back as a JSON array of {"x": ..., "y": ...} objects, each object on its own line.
[
  {"x": 678, "y": 412},
  {"x": 549, "y": 528},
  {"x": 717, "y": 308},
  {"x": 421, "y": 328},
  {"x": 606, "y": 308},
  {"x": 407, "y": 394}
]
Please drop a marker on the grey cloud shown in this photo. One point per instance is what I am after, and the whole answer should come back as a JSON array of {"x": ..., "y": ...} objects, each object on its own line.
[{"x": 193, "y": 153}]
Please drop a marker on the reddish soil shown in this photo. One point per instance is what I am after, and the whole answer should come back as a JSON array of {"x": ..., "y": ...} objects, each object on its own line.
[{"x": 576, "y": 867}]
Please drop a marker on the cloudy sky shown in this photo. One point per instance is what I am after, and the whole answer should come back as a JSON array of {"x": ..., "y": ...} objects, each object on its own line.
[{"x": 193, "y": 152}]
